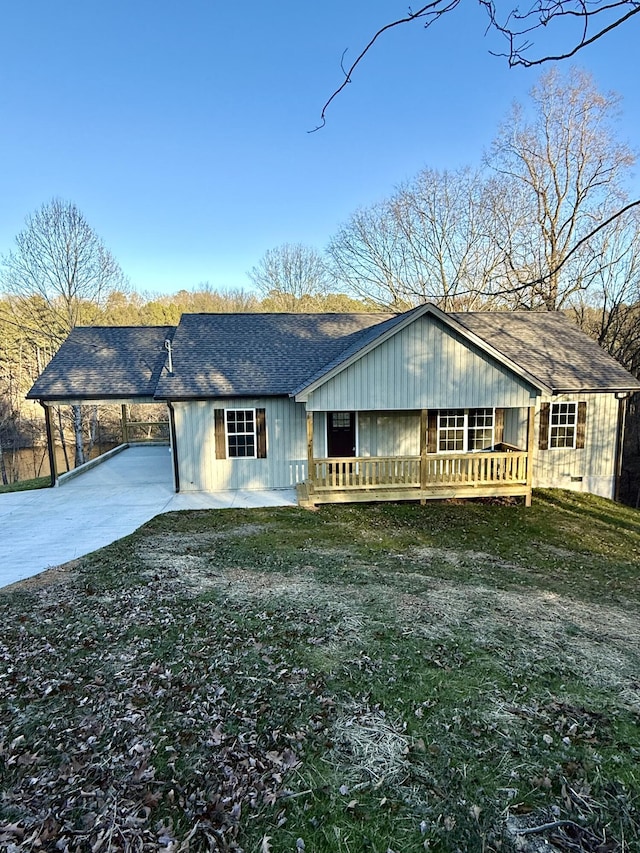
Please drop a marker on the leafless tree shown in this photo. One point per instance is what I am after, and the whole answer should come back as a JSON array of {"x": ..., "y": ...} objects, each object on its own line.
[
  {"x": 610, "y": 311},
  {"x": 58, "y": 276},
  {"x": 526, "y": 233},
  {"x": 367, "y": 257},
  {"x": 563, "y": 163},
  {"x": 289, "y": 274},
  {"x": 432, "y": 240}
]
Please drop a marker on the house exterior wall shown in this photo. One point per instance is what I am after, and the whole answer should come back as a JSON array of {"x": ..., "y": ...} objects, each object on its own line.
[
  {"x": 394, "y": 433},
  {"x": 516, "y": 422},
  {"x": 200, "y": 470},
  {"x": 424, "y": 366},
  {"x": 388, "y": 434},
  {"x": 591, "y": 469}
]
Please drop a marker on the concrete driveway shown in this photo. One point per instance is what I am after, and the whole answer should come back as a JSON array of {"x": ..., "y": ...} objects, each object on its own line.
[{"x": 47, "y": 527}]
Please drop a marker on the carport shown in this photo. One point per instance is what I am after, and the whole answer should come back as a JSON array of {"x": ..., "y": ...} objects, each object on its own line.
[{"x": 99, "y": 365}]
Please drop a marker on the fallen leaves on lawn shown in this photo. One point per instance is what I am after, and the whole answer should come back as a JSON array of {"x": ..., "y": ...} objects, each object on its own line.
[{"x": 129, "y": 724}]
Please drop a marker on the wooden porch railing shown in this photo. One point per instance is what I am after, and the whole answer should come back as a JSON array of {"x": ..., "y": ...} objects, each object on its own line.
[{"x": 375, "y": 472}]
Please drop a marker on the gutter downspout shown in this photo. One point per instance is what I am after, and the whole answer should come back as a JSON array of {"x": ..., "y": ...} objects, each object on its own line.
[
  {"x": 174, "y": 445},
  {"x": 50, "y": 444},
  {"x": 622, "y": 417}
]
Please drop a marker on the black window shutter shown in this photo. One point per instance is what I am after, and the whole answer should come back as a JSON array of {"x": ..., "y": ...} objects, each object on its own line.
[
  {"x": 221, "y": 441},
  {"x": 543, "y": 438},
  {"x": 261, "y": 433},
  {"x": 581, "y": 426},
  {"x": 432, "y": 431}
]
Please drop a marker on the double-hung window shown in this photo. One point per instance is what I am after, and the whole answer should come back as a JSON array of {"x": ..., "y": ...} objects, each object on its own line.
[
  {"x": 464, "y": 430},
  {"x": 563, "y": 423},
  {"x": 451, "y": 431},
  {"x": 241, "y": 433},
  {"x": 481, "y": 429}
]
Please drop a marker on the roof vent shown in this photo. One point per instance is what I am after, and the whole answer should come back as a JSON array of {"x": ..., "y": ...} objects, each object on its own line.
[{"x": 167, "y": 346}]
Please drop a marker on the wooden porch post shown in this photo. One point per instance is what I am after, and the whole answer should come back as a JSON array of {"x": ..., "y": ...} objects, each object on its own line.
[
  {"x": 530, "y": 452},
  {"x": 424, "y": 422},
  {"x": 310, "y": 448},
  {"x": 50, "y": 442},
  {"x": 125, "y": 428}
]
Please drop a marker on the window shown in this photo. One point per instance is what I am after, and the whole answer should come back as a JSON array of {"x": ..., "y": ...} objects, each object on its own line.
[
  {"x": 451, "y": 431},
  {"x": 481, "y": 429},
  {"x": 241, "y": 432},
  {"x": 463, "y": 430},
  {"x": 340, "y": 420},
  {"x": 562, "y": 425}
]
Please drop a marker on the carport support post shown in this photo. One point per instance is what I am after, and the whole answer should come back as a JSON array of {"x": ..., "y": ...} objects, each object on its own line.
[
  {"x": 125, "y": 427},
  {"x": 50, "y": 442}
]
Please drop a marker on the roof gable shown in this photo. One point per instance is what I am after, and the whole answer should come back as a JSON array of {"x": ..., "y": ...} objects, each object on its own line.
[
  {"x": 423, "y": 364},
  {"x": 383, "y": 332}
]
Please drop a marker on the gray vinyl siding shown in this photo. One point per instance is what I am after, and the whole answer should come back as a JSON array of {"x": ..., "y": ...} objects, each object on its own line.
[
  {"x": 595, "y": 464},
  {"x": 393, "y": 434},
  {"x": 425, "y": 365},
  {"x": 516, "y": 422},
  {"x": 284, "y": 466}
]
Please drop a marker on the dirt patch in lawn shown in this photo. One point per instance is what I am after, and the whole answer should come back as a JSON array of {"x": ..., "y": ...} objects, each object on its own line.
[{"x": 599, "y": 642}]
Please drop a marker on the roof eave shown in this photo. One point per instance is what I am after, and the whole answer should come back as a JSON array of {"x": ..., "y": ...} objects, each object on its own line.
[
  {"x": 74, "y": 399},
  {"x": 609, "y": 389},
  {"x": 195, "y": 398}
]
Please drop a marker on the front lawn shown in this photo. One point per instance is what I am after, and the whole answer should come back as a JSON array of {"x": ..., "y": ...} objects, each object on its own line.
[{"x": 454, "y": 677}]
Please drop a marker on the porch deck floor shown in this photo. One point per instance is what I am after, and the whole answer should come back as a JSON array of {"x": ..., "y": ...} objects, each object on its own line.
[{"x": 48, "y": 527}]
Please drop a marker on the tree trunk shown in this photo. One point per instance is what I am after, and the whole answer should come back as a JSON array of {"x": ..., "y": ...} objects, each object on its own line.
[
  {"x": 77, "y": 431},
  {"x": 94, "y": 428},
  {"x": 62, "y": 439},
  {"x": 3, "y": 470}
]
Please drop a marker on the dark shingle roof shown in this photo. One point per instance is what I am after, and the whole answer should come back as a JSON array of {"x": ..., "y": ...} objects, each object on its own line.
[
  {"x": 551, "y": 348},
  {"x": 253, "y": 355},
  {"x": 105, "y": 362},
  {"x": 223, "y": 355}
]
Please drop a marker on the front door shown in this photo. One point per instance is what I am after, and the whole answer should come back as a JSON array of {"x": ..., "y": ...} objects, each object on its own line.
[{"x": 341, "y": 434}]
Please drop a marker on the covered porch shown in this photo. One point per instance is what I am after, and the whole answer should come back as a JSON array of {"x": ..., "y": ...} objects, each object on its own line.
[{"x": 496, "y": 469}]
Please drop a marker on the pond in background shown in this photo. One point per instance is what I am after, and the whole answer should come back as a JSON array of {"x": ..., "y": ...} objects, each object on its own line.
[{"x": 33, "y": 462}]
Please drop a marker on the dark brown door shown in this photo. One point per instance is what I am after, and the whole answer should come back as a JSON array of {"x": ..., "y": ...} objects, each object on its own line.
[{"x": 341, "y": 434}]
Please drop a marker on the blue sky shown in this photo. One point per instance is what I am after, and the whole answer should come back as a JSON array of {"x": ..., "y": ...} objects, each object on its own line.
[{"x": 180, "y": 129}]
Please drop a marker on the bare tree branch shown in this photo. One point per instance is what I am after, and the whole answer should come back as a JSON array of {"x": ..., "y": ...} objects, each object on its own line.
[
  {"x": 542, "y": 14},
  {"x": 432, "y": 10},
  {"x": 516, "y": 29}
]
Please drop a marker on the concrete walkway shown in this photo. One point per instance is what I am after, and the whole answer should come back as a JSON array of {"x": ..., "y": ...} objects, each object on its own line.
[{"x": 47, "y": 527}]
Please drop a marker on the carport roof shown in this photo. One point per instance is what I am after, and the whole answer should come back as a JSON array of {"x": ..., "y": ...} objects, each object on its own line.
[{"x": 105, "y": 363}]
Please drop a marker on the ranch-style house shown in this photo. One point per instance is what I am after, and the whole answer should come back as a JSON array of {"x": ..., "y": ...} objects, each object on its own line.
[{"x": 364, "y": 407}]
